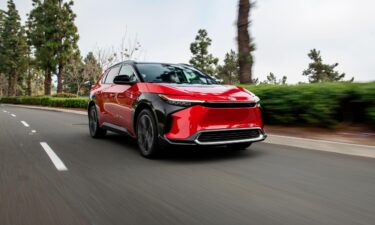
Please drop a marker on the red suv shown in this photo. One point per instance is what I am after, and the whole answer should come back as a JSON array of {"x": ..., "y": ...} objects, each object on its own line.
[{"x": 163, "y": 104}]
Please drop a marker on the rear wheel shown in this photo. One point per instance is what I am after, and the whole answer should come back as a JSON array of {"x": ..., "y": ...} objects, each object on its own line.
[
  {"x": 147, "y": 134},
  {"x": 239, "y": 146},
  {"x": 95, "y": 130}
]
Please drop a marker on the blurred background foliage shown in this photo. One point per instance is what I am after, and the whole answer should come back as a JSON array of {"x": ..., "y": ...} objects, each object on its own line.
[{"x": 321, "y": 104}]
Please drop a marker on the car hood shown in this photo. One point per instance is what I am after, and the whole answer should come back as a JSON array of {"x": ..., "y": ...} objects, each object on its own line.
[{"x": 204, "y": 92}]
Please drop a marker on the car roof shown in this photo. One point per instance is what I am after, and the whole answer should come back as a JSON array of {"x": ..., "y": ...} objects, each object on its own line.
[{"x": 133, "y": 62}]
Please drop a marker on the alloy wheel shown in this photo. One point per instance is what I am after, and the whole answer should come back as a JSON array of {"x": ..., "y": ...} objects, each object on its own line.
[{"x": 145, "y": 133}]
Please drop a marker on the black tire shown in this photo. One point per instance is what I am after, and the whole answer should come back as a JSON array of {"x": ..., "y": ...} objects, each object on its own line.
[
  {"x": 95, "y": 130},
  {"x": 239, "y": 146},
  {"x": 147, "y": 134}
]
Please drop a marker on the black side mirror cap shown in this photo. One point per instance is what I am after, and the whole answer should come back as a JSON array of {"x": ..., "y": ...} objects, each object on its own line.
[
  {"x": 87, "y": 83},
  {"x": 123, "y": 79}
]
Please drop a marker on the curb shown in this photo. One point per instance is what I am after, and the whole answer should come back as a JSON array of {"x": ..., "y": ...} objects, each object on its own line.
[
  {"x": 323, "y": 145},
  {"x": 48, "y": 109}
]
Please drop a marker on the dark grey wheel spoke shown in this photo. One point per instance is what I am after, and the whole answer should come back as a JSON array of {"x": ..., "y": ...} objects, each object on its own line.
[
  {"x": 143, "y": 123},
  {"x": 95, "y": 130},
  {"x": 93, "y": 120},
  {"x": 145, "y": 133}
]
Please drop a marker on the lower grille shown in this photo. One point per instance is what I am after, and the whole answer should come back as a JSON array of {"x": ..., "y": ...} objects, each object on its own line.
[{"x": 229, "y": 135}]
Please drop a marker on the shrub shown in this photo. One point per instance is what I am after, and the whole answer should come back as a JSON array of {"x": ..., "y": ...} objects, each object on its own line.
[
  {"x": 64, "y": 95},
  {"x": 324, "y": 104},
  {"x": 47, "y": 101}
]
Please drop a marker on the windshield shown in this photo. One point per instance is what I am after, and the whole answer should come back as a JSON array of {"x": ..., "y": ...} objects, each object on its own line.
[{"x": 166, "y": 73}]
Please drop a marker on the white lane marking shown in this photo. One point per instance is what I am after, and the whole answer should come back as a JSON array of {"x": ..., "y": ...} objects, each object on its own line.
[
  {"x": 60, "y": 166},
  {"x": 4, "y": 111},
  {"x": 33, "y": 131},
  {"x": 25, "y": 124},
  {"x": 13, "y": 115}
]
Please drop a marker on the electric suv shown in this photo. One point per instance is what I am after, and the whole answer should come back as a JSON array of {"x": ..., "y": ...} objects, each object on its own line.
[{"x": 163, "y": 104}]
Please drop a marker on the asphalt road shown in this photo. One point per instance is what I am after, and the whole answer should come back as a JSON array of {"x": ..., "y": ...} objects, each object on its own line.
[{"x": 80, "y": 180}]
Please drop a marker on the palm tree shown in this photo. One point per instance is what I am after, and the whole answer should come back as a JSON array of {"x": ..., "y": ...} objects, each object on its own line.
[{"x": 245, "y": 47}]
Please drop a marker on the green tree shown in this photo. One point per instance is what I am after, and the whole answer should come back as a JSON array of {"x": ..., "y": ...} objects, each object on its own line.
[
  {"x": 43, "y": 33},
  {"x": 272, "y": 79},
  {"x": 92, "y": 69},
  {"x": 78, "y": 72},
  {"x": 73, "y": 74},
  {"x": 67, "y": 38},
  {"x": 13, "y": 47},
  {"x": 245, "y": 42},
  {"x": 201, "y": 58},
  {"x": 320, "y": 72},
  {"x": 2, "y": 76},
  {"x": 230, "y": 69}
]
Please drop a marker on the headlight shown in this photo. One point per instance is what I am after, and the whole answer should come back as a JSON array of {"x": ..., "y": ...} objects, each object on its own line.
[
  {"x": 181, "y": 102},
  {"x": 257, "y": 100}
]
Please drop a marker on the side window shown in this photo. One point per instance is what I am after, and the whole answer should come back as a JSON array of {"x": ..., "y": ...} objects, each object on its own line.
[
  {"x": 111, "y": 75},
  {"x": 129, "y": 71},
  {"x": 104, "y": 76}
]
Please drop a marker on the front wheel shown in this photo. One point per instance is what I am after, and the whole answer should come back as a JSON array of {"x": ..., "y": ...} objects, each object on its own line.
[
  {"x": 147, "y": 134},
  {"x": 95, "y": 130},
  {"x": 239, "y": 146}
]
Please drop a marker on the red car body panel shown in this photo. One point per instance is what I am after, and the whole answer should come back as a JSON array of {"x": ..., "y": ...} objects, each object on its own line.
[
  {"x": 197, "y": 118},
  {"x": 202, "y": 92},
  {"x": 116, "y": 102}
]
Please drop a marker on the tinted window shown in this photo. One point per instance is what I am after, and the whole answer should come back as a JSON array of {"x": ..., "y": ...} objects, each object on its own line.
[
  {"x": 128, "y": 70},
  {"x": 165, "y": 73},
  {"x": 111, "y": 75}
]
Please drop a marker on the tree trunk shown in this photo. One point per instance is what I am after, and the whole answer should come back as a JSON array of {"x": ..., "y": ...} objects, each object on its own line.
[
  {"x": 9, "y": 91},
  {"x": 59, "y": 79},
  {"x": 1, "y": 85},
  {"x": 47, "y": 82},
  {"x": 28, "y": 78},
  {"x": 243, "y": 38},
  {"x": 28, "y": 83},
  {"x": 12, "y": 84},
  {"x": 78, "y": 90}
]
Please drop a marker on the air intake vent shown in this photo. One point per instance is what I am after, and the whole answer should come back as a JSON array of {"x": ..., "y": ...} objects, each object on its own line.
[{"x": 229, "y": 135}]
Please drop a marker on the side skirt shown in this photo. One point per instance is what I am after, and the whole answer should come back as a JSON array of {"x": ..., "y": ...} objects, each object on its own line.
[{"x": 116, "y": 129}]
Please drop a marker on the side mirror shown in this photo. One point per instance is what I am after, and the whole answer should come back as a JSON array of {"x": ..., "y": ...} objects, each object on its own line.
[
  {"x": 88, "y": 84},
  {"x": 123, "y": 79}
]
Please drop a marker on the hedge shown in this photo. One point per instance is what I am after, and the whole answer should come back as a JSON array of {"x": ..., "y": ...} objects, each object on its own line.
[
  {"x": 47, "y": 101},
  {"x": 325, "y": 104},
  {"x": 64, "y": 95}
]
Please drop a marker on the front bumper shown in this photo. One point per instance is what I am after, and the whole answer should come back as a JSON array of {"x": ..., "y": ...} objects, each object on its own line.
[
  {"x": 187, "y": 122},
  {"x": 201, "y": 125},
  {"x": 195, "y": 138}
]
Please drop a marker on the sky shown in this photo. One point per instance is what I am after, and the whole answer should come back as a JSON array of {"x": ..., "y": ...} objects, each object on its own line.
[{"x": 283, "y": 31}]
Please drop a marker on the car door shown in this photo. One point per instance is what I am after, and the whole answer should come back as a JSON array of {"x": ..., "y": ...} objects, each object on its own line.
[
  {"x": 97, "y": 95},
  {"x": 107, "y": 94},
  {"x": 125, "y": 95}
]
